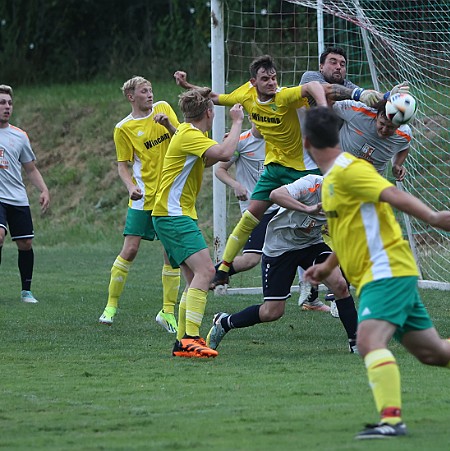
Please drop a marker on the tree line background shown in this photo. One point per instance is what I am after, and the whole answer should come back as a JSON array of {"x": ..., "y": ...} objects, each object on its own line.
[{"x": 62, "y": 41}]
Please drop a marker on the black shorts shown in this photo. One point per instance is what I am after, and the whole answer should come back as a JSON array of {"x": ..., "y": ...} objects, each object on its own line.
[
  {"x": 17, "y": 220},
  {"x": 278, "y": 273},
  {"x": 255, "y": 241}
]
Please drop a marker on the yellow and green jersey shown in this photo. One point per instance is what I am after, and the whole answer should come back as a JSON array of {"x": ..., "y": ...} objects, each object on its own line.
[
  {"x": 182, "y": 173},
  {"x": 144, "y": 143},
  {"x": 366, "y": 237},
  {"x": 278, "y": 121}
]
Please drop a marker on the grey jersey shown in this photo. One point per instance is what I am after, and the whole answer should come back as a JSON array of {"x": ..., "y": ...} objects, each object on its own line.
[
  {"x": 249, "y": 160},
  {"x": 317, "y": 76},
  {"x": 292, "y": 230},
  {"x": 358, "y": 135},
  {"x": 15, "y": 149}
]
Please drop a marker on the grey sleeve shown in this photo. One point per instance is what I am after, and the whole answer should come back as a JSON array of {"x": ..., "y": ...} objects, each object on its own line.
[{"x": 312, "y": 76}]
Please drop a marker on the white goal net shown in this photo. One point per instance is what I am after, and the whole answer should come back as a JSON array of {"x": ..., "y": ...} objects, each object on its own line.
[{"x": 386, "y": 42}]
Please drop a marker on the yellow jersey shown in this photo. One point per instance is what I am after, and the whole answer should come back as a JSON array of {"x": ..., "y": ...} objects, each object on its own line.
[
  {"x": 278, "y": 121},
  {"x": 144, "y": 143},
  {"x": 366, "y": 236},
  {"x": 182, "y": 173}
]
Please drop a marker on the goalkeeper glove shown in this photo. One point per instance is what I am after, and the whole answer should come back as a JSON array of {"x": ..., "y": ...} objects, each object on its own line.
[
  {"x": 402, "y": 88},
  {"x": 367, "y": 96}
]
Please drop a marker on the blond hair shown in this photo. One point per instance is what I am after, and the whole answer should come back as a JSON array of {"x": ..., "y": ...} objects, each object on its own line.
[
  {"x": 5, "y": 89},
  {"x": 195, "y": 102},
  {"x": 130, "y": 85}
]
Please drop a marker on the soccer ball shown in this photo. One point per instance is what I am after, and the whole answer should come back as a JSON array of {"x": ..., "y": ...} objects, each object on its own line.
[{"x": 401, "y": 108}]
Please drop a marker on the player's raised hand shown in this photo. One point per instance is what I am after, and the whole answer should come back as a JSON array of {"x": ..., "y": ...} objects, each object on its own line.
[
  {"x": 402, "y": 88},
  {"x": 370, "y": 97},
  {"x": 237, "y": 112},
  {"x": 181, "y": 79}
]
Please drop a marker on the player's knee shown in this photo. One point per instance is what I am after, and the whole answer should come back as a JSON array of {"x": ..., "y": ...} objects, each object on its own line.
[
  {"x": 432, "y": 357},
  {"x": 251, "y": 260},
  {"x": 340, "y": 289},
  {"x": 24, "y": 245}
]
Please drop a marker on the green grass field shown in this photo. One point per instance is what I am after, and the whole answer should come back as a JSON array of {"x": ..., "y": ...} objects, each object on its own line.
[{"x": 68, "y": 383}]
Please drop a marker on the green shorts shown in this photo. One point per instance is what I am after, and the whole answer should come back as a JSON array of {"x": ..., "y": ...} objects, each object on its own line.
[
  {"x": 139, "y": 223},
  {"x": 180, "y": 237},
  {"x": 274, "y": 176},
  {"x": 397, "y": 301}
]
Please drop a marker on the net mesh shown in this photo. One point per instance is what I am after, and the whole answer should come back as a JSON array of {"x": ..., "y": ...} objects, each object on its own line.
[{"x": 407, "y": 40}]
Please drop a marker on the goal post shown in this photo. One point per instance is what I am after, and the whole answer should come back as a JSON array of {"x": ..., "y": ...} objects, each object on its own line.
[{"x": 386, "y": 42}]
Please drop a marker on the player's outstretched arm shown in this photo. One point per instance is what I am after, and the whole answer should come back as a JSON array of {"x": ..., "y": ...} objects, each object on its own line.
[
  {"x": 283, "y": 198},
  {"x": 410, "y": 205},
  {"x": 224, "y": 151},
  {"x": 336, "y": 92},
  {"x": 181, "y": 80},
  {"x": 316, "y": 91}
]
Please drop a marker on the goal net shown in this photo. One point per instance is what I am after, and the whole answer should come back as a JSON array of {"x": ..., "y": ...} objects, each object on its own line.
[{"x": 386, "y": 42}]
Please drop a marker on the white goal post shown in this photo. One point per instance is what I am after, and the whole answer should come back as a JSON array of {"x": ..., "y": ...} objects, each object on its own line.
[{"x": 386, "y": 42}]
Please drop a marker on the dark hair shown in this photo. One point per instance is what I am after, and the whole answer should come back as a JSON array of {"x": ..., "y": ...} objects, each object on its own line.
[
  {"x": 321, "y": 127},
  {"x": 380, "y": 106},
  {"x": 264, "y": 61},
  {"x": 328, "y": 50}
]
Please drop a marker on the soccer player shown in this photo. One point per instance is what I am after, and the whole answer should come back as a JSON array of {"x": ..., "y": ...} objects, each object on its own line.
[
  {"x": 16, "y": 153},
  {"x": 273, "y": 110},
  {"x": 249, "y": 161},
  {"x": 293, "y": 238},
  {"x": 369, "y": 246},
  {"x": 175, "y": 216},
  {"x": 142, "y": 138},
  {"x": 332, "y": 69},
  {"x": 367, "y": 133}
]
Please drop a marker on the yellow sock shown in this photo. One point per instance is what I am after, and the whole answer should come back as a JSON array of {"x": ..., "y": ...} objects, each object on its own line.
[
  {"x": 384, "y": 380},
  {"x": 171, "y": 283},
  {"x": 119, "y": 274},
  {"x": 182, "y": 317},
  {"x": 195, "y": 308},
  {"x": 238, "y": 238}
]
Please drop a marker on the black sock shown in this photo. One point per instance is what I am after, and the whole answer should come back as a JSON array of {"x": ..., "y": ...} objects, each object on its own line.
[
  {"x": 25, "y": 262},
  {"x": 232, "y": 270},
  {"x": 245, "y": 318},
  {"x": 348, "y": 316}
]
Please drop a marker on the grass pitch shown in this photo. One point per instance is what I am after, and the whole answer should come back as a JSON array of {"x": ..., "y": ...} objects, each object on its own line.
[{"x": 68, "y": 383}]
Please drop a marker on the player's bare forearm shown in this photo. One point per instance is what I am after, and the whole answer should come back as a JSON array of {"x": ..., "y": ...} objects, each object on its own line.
[
  {"x": 335, "y": 92},
  {"x": 283, "y": 198},
  {"x": 315, "y": 90},
  {"x": 413, "y": 206}
]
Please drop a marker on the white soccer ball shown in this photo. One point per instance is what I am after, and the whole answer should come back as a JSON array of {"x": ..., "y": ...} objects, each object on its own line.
[{"x": 401, "y": 108}]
